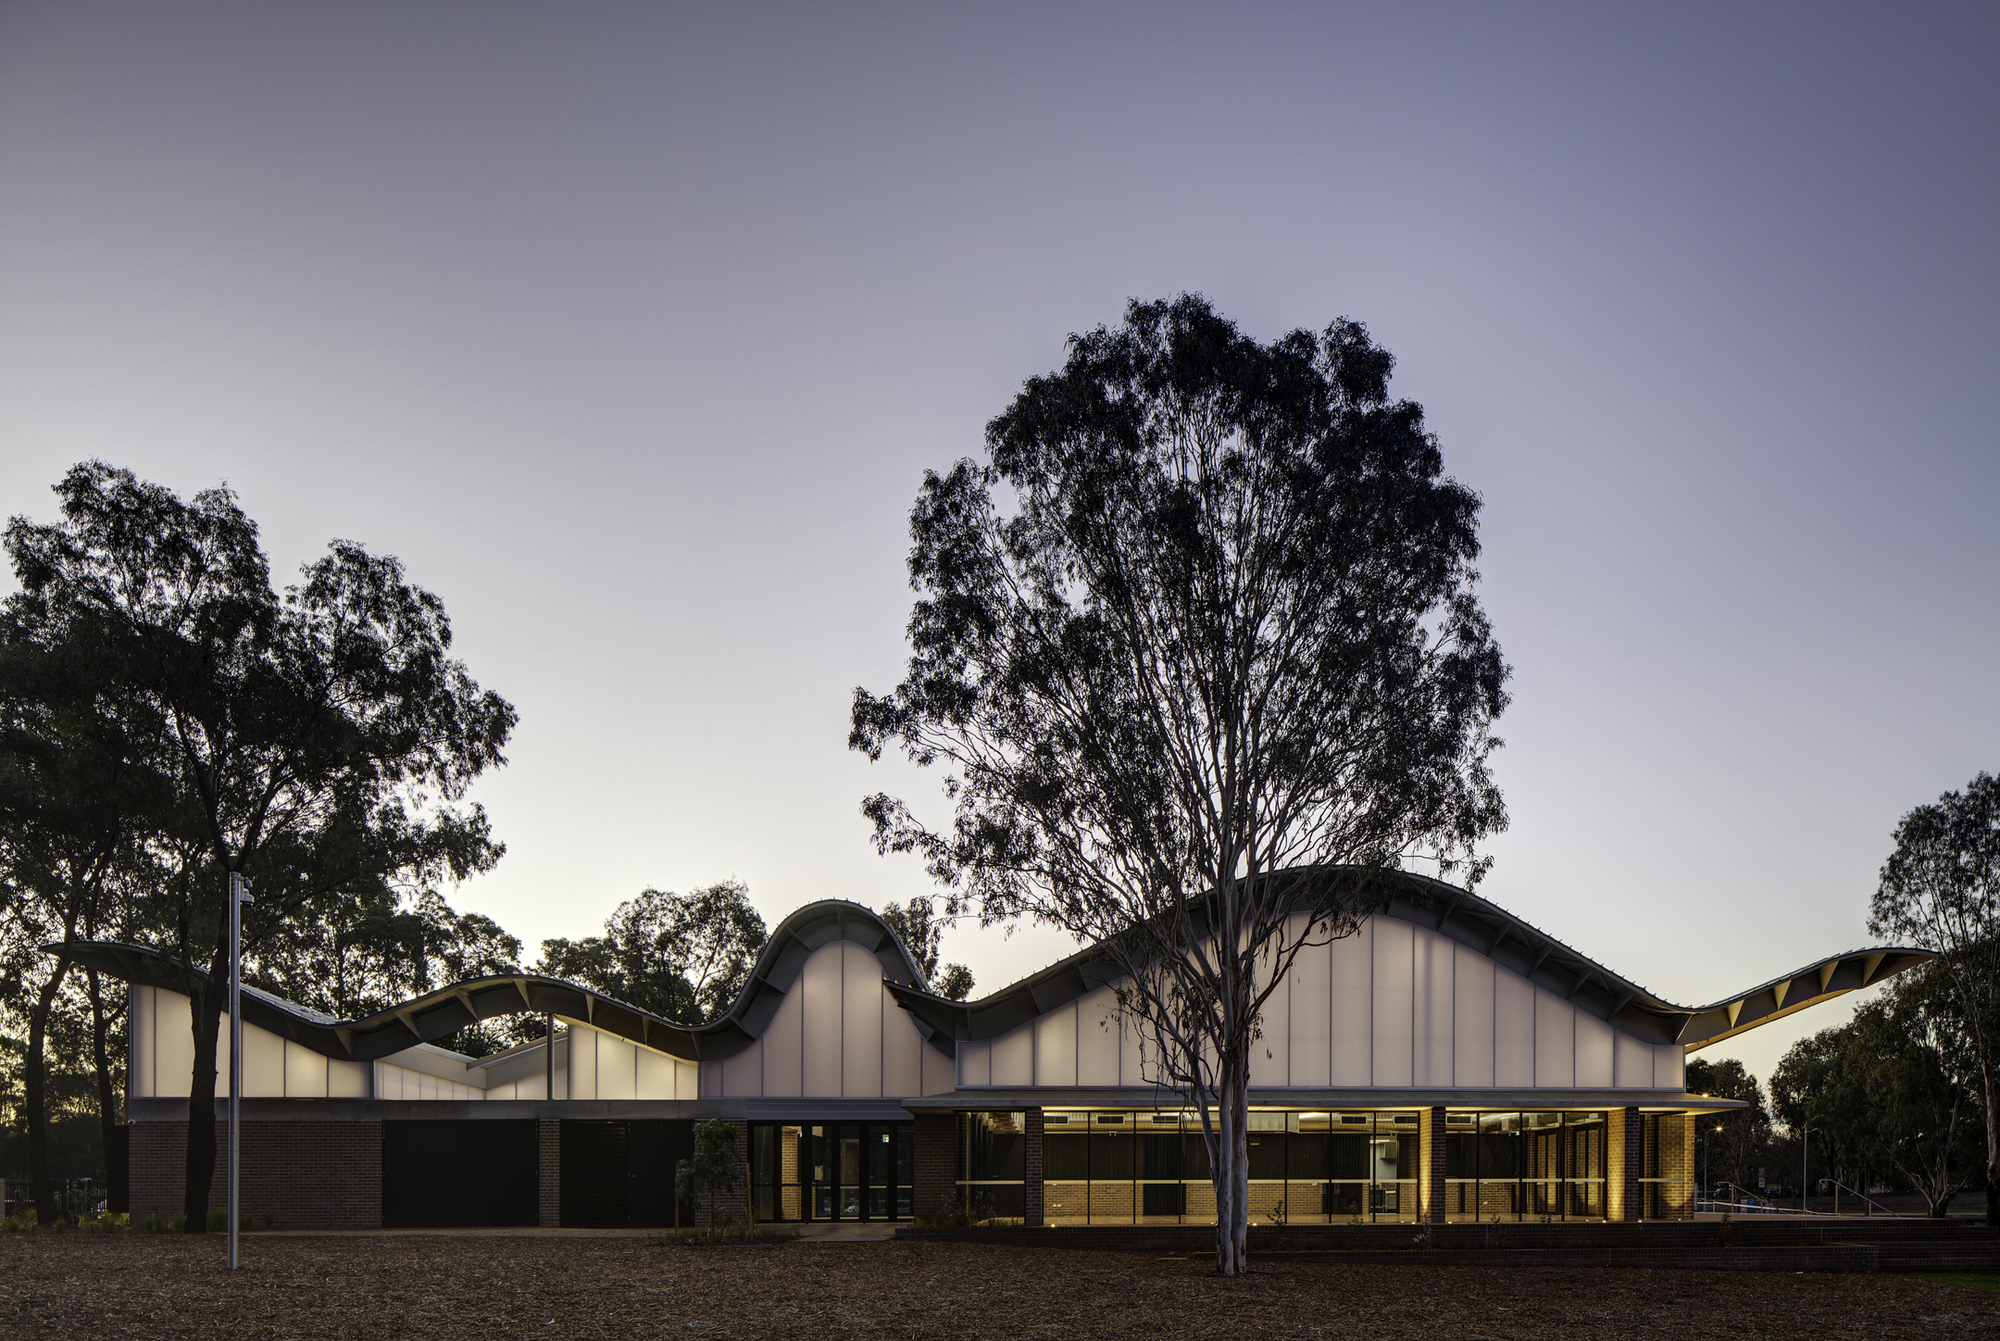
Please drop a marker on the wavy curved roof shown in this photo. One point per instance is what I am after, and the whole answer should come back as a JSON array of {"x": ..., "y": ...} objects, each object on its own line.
[
  {"x": 1489, "y": 930},
  {"x": 443, "y": 1012},
  {"x": 1462, "y": 916}
]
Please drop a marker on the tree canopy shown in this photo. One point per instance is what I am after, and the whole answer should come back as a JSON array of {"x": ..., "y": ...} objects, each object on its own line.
[
  {"x": 684, "y": 957},
  {"x": 318, "y": 741},
  {"x": 921, "y": 931},
  {"x": 1198, "y": 648},
  {"x": 1941, "y": 888}
]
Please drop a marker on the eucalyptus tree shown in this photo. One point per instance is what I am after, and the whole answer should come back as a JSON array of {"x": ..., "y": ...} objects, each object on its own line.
[
  {"x": 921, "y": 931},
  {"x": 684, "y": 957},
  {"x": 1199, "y": 648},
  {"x": 318, "y": 741},
  {"x": 1941, "y": 889},
  {"x": 78, "y": 779}
]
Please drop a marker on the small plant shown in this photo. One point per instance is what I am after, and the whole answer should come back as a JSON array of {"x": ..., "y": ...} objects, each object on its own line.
[
  {"x": 106, "y": 1222},
  {"x": 699, "y": 1238},
  {"x": 712, "y": 1171},
  {"x": 20, "y": 1221},
  {"x": 61, "y": 1224},
  {"x": 270, "y": 1220},
  {"x": 1422, "y": 1238}
]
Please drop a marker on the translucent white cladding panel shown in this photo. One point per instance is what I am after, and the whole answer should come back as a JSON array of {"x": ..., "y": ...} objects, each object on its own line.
[
  {"x": 1312, "y": 1041},
  {"x": 743, "y": 1073},
  {"x": 1632, "y": 1062},
  {"x": 173, "y": 1045},
  {"x": 348, "y": 1080},
  {"x": 582, "y": 1061},
  {"x": 305, "y": 1070},
  {"x": 819, "y": 990},
  {"x": 1136, "y": 1053},
  {"x": 267, "y": 1067},
  {"x": 1669, "y": 1065},
  {"x": 902, "y": 1051},
  {"x": 785, "y": 1048},
  {"x": 658, "y": 1076},
  {"x": 1395, "y": 998},
  {"x": 139, "y": 1076},
  {"x": 939, "y": 1071},
  {"x": 1351, "y": 969},
  {"x": 975, "y": 1063},
  {"x": 1055, "y": 1047},
  {"x": 1097, "y": 1038},
  {"x": 1472, "y": 1020},
  {"x": 1014, "y": 1057},
  {"x": 402, "y": 1083},
  {"x": 861, "y": 1027},
  {"x": 1513, "y": 1030},
  {"x": 1431, "y": 1007},
  {"x": 1593, "y": 1051},
  {"x": 1271, "y": 1055},
  {"x": 1555, "y": 1041},
  {"x": 617, "y": 1066}
]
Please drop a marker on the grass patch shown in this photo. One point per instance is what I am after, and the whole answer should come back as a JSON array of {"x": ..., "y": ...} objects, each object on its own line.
[{"x": 1971, "y": 1280}]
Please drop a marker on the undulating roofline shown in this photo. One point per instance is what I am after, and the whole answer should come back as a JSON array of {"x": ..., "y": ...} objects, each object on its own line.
[{"x": 1458, "y": 914}]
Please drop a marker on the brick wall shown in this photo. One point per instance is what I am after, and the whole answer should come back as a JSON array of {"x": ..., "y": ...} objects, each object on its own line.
[
  {"x": 1625, "y": 1153},
  {"x": 1032, "y": 1167},
  {"x": 1674, "y": 1197},
  {"x": 936, "y": 1178},
  {"x": 1430, "y": 1165},
  {"x": 306, "y": 1175},
  {"x": 548, "y": 1134}
]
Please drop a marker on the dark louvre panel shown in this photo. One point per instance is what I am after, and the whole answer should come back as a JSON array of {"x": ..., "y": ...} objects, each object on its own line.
[
  {"x": 596, "y": 1183},
  {"x": 460, "y": 1173}
]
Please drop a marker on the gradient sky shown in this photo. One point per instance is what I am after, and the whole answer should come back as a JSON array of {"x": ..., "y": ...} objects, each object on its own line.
[{"x": 631, "y": 329}]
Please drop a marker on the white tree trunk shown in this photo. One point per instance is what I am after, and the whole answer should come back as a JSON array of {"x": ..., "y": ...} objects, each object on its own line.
[{"x": 1231, "y": 1173}]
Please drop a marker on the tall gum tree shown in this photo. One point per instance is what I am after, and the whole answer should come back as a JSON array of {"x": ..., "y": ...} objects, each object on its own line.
[
  {"x": 1200, "y": 653},
  {"x": 1940, "y": 889},
  {"x": 319, "y": 741}
]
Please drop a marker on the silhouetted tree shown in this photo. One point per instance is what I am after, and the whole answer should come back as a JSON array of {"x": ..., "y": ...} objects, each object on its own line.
[
  {"x": 1738, "y": 1138},
  {"x": 684, "y": 957},
  {"x": 319, "y": 742},
  {"x": 1211, "y": 658},
  {"x": 921, "y": 931},
  {"x": 1941, "y": 889}
]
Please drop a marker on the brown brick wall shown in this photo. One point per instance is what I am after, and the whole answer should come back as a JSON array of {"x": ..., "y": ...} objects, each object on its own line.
[
  {"x": 1032, "y": 1167},
  {"x": 549, "y": 1149},
  {"x": 936, "y": 1182},
  {"x": 1431, "y": 1165},
  {"x": 306, "y": 1175},
  {"x": 1674, "y": 1197},
  {"x": 1625, "y": 1152}
]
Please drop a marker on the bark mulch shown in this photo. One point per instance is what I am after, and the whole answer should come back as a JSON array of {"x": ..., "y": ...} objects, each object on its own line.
[{"x": 161, "y": 1285}]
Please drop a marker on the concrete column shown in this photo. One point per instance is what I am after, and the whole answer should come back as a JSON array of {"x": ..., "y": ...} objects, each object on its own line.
[
  {"x": 1430, "y": 1166},
  {"x": 1032, "y": 1167},
  {"x": 550, "y": 1134},
  {"x": 1625, "y": 1142}
]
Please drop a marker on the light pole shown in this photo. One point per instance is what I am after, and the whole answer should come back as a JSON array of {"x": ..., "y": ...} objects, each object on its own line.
[{"x": 239, "y": 894}]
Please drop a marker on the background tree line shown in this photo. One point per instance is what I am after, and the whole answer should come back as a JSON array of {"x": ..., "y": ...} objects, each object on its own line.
[
  {"x": 167, "y": 717},
  {"x": 1901, "y": 1096}
]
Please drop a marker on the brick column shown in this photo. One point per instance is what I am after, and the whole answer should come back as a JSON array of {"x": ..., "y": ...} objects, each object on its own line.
[
  {"x": 1677, "y": 1166},
  {"x": 1032, "y": 1168},
  {"x": 736, "y": 1205},
  {"x": 550, "y": 1135},
  {"x": 936, "y": 1188},
  {"x": 1430, "y": 1166},
  {"x": 1625, "y": 1151}
]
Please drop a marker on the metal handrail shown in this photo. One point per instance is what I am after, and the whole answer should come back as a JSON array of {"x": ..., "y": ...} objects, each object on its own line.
[{"x": 1870, "y": 1200}]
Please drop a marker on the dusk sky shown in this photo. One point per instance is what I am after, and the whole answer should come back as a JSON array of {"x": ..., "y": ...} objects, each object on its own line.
[{"x": 631, "y": 329}]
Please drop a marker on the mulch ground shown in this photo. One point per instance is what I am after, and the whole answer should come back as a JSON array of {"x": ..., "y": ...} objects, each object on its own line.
[{"x": 160, "y": 1285}]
